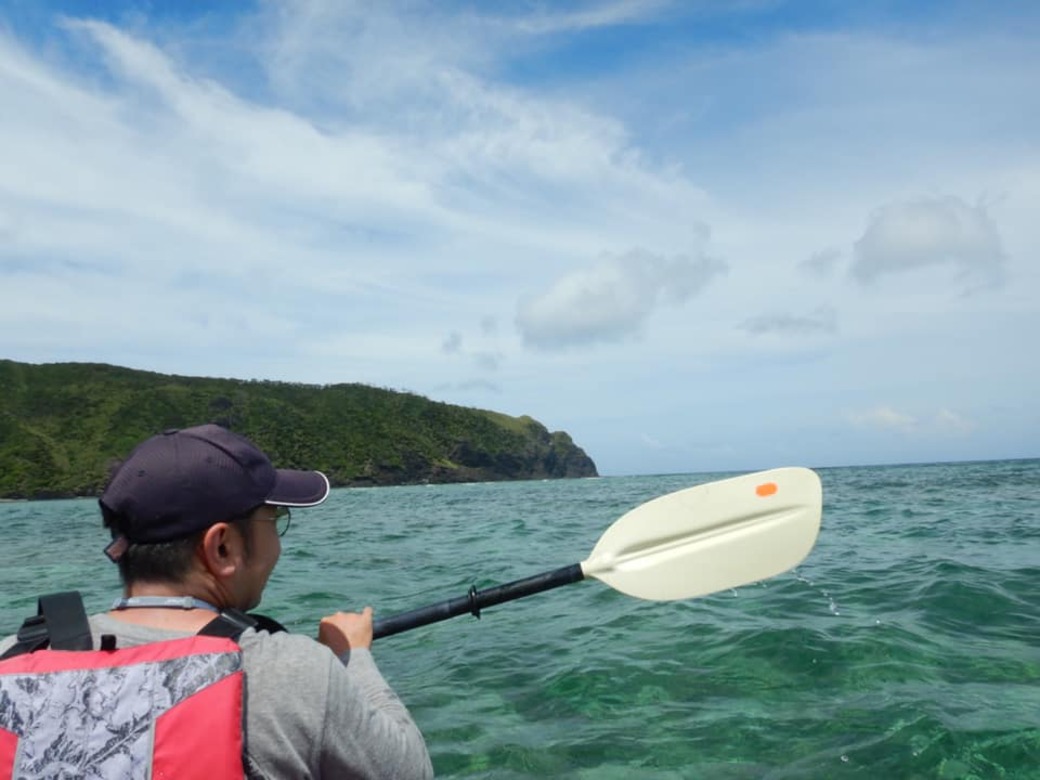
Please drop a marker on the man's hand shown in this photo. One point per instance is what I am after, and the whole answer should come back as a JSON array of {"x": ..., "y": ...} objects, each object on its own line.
[{"x": 344, "y": 630}]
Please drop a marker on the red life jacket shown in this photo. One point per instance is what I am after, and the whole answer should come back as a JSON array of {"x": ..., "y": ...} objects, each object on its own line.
[{"x": 171, "y": 709}]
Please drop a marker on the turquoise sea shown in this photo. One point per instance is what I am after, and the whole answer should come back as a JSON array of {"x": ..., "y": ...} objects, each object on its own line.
[{"x": 906, "y": 646}]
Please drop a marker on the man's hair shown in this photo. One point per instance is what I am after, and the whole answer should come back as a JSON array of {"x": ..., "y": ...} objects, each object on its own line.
[{"x": 170, "y": 561}]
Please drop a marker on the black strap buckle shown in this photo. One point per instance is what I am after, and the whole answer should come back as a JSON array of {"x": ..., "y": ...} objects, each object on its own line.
[
  {"x": 60, "y": 623},
  {"x": 474, "y": 609}
]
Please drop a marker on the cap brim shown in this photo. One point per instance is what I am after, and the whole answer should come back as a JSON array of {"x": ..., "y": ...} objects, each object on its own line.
[{"x": 298, "y": 488}]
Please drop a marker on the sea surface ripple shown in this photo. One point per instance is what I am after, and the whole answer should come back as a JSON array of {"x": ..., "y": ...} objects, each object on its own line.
[{"x": 906, "y": 646}]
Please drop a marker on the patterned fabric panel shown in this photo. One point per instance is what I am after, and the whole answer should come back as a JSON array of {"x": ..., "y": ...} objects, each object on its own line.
[{"x": 98, "y": 723}]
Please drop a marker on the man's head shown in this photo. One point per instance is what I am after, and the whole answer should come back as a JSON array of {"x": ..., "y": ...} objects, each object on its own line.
[{"x": 175, "y": 487}]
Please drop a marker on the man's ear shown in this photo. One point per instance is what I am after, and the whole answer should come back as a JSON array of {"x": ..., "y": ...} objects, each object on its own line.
[{"x": 221, "y": 548}]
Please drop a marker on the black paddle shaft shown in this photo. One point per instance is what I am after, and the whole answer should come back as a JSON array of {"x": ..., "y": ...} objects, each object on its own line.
[{"x": 476, "y": 600}]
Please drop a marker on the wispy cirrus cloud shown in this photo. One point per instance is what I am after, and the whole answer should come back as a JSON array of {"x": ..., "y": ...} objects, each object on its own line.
[
  {"x": 592, "y": 15},
  {"x": 427, "y": 194}
]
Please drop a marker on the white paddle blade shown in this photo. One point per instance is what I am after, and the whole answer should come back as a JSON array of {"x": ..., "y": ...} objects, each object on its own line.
[{"x": 711, "y": 537}]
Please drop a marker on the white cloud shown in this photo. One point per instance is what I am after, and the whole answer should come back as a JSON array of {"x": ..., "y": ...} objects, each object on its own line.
[
  {"x": 931, "y": 232},
  {"x": 470, "y": 385},
  {"x": 941, "y": 422},
  {"x": 821, "y": 263},
  {"x": 593, "y": 15},
  {"x": 611, "y": 301},
  {"x": 823, "y": 320},
  {"x": 884, "y": 417},
  {"x": 452, "y": 343},
  {"x": 651, "y": 442},
  {"x": 952, "y": 422},
  {"x": 487, "y": 361},
  {"x": 325, "y": 191}
]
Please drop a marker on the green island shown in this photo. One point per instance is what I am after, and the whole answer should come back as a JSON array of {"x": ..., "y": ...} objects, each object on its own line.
[{"x": 63, "y": 426}]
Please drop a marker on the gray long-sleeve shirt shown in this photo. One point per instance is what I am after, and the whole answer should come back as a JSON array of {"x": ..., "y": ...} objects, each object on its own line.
[{"x": 309, "y": 714}]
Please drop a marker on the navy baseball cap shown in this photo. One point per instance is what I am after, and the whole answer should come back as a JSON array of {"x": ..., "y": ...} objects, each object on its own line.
[{"x": 183, "y": 481}]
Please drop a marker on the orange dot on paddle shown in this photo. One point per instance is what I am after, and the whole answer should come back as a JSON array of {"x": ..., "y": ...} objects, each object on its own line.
[{"x": 766, "y": 489}]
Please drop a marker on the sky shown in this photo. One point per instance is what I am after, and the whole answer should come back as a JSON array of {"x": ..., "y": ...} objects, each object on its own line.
[{"x": 696, "y": 235}]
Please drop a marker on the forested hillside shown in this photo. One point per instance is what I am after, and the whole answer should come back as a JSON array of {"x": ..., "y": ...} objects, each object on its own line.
[{"x": 63, "y": 425}]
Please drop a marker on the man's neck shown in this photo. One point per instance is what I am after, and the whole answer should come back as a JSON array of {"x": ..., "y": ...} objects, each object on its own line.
[{"x": 172, "y": 617}]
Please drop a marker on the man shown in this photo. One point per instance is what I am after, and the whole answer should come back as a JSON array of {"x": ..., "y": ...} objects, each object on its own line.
[{"x": 195, "y": 517}]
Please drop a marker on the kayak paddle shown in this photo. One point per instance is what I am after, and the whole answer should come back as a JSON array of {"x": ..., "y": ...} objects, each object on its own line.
[{"x": 689, "y": 543}]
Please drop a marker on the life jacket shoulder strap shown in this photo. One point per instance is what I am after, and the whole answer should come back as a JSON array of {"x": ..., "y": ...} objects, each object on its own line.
[
  {"x": 231, "y": 623},
  {"x": 60, "y": 622}
]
